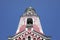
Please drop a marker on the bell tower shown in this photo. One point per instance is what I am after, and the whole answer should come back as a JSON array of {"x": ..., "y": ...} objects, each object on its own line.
[{"x": 29, "y": 27}]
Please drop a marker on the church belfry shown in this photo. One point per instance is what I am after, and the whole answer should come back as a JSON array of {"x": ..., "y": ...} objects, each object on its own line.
[{"x": 29, "y": 27}]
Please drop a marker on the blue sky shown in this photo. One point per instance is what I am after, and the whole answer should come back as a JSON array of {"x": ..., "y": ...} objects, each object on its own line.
[{"x": 48, "y": 11}]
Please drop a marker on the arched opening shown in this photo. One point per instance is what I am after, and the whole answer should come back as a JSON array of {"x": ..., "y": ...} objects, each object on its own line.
[
  {"x": 29, "y": 21},
  {"x": 23, "y": 38},
  {"x": 34, "y": 38},
  {"x": 29, "y": 38}
]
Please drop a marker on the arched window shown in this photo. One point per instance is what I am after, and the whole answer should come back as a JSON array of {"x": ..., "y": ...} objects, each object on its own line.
[
  {"x": 34, "y": 38},
  {"x": 29, "y": 21},
  {"x": 29, "y": 38},
  {"x": 23, "y": 38}
]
